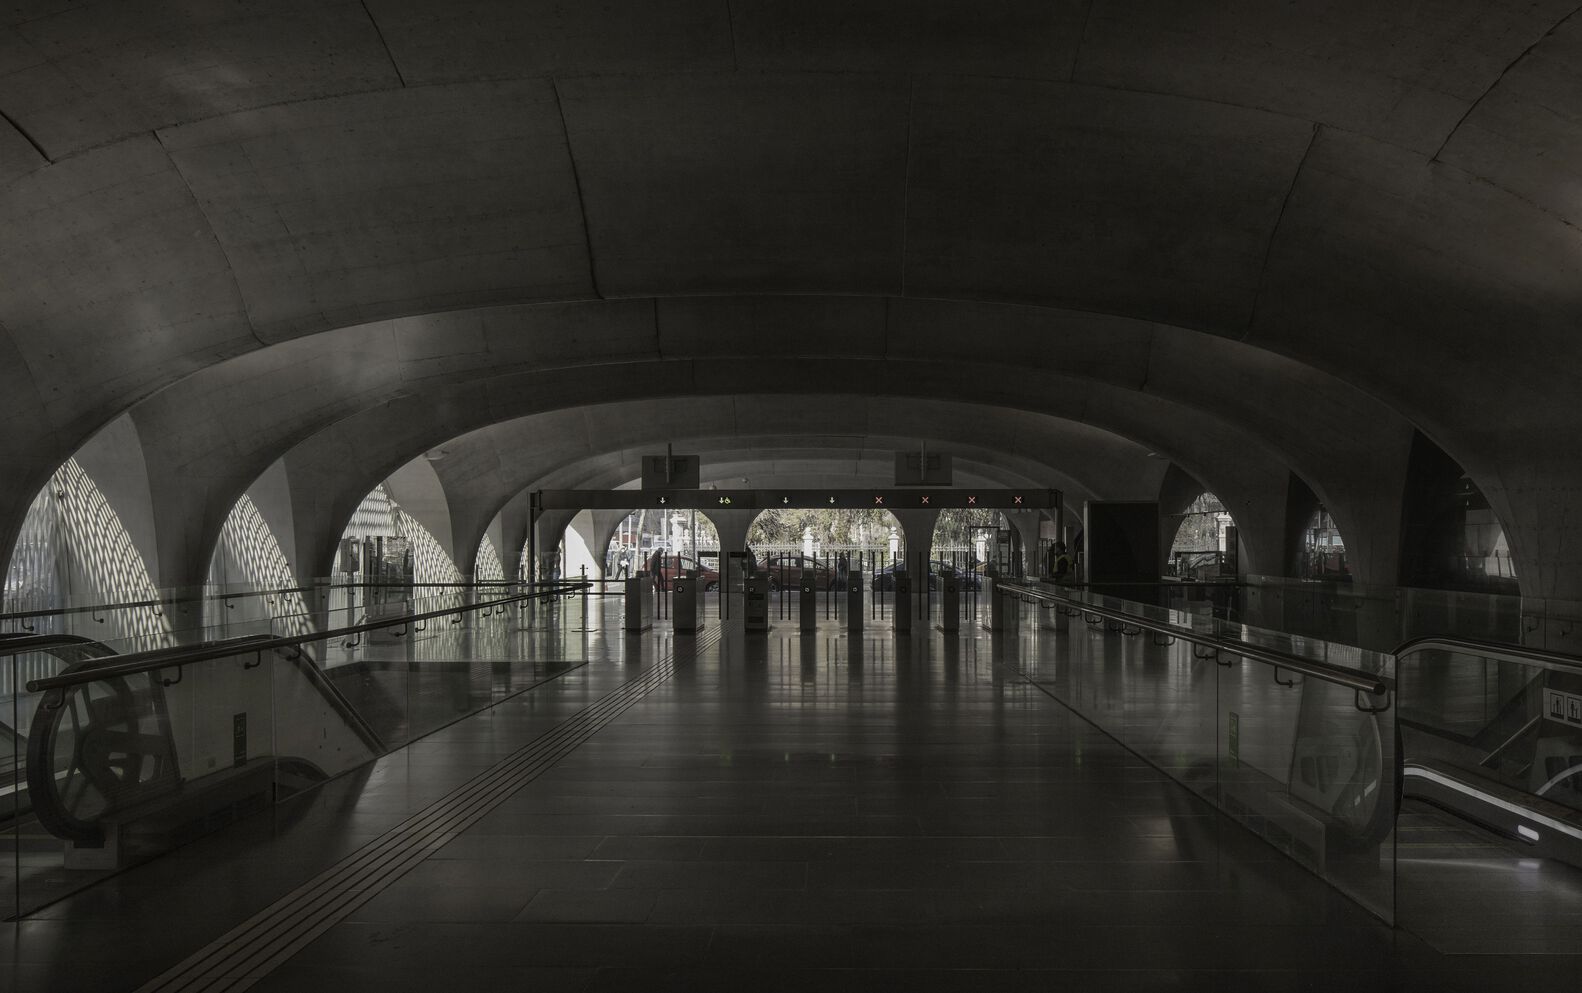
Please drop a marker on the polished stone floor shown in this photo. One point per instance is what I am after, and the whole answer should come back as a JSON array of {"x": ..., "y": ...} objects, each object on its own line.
[{"x": 811, "y": 811}]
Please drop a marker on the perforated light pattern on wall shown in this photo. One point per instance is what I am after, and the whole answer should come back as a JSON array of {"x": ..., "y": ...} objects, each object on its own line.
[
  {"x": 430, "y": 564},
  {"x": 248, "y": 555},
  {"x": 75, "y": 550},
  {"x": 488, "y": 563},
  {"x": 379, "y": 515},
  {"x": 35, "y": 579}
]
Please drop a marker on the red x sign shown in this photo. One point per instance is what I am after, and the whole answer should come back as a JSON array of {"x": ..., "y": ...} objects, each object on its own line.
[
  {"x": 925, "y": 501},
  {"x": 878, "y": 501},
  {"x": 1016, "y": 500},
  {"x": 972, "y": 501}
]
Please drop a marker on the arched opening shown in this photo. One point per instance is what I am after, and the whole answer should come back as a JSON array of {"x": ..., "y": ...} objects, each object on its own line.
[
  {"x": 386, "y": 556},
  {"x": 970, "y": 540},
  {"x": 74, "y": 549},
  {"x": 1203, "y": 543},
  {"x": 1323, "y": 551},
  {"x": 386, "y": 545},
  {"x": 833, "y": 542},
  {"x": 1315, "y": 549},
  {"x": 1450, "y": 536},
  {"x": 248, "y": 558},
  {"x": 682, "y": 540}
]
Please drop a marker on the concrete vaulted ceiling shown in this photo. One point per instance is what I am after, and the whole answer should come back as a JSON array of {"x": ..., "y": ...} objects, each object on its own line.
[{"x": 1255, "y": 239}]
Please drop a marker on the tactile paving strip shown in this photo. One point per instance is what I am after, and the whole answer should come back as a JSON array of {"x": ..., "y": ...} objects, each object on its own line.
[{"x": 250, "y": 951}]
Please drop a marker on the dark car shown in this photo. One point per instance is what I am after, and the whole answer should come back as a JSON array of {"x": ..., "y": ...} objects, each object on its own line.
[
  {"x": 785, "y": 570},
  {"x": 885, "y": 580},
  {"x": 672, "y": 566}
]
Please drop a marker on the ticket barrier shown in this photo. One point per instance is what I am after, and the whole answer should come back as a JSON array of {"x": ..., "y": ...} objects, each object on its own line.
[
  {"x": 639, "y": 603},
  {"x": 1005, "y": 609},
  {"x": 756, "y": 608},
  {"x": 950, "y": 602},
  {"x": 854, "y": 602},
  {"x": 807, "y": 594},
  {"x": 684, "y": 604},
  {"x": 903, "y": 602}
]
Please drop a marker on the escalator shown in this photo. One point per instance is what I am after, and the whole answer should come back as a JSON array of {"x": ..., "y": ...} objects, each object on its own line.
[
  {"x": 1493, "y": 735},
  {"x": 23, "y": 657},
  {"x": 137, "y": 762}
]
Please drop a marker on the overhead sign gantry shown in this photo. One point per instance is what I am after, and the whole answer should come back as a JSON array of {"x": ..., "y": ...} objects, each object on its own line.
[{"x": 908, "y": 498}]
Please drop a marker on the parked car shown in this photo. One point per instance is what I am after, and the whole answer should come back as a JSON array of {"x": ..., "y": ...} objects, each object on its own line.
[
  {"x": 885, "y": 579},
  {"x": 785, "y": 570},
  {"x": 672, "y": 566}
]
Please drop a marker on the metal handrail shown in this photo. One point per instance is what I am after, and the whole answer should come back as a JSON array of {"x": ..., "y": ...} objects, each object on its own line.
[
  {"x": 170, "y": 658},
  {"x": 1498, "y": 651},
  {"x": 1350, "y": 678},
  {"x": 21, "y": 615},
  {"x": 19, "y": 643}
]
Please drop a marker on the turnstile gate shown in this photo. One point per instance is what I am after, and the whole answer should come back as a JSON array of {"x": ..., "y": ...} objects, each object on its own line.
[
  {"x": 949, "y": 602},
  {"x": 639, "y": 603},
  {"x": 756, "y": 606},
  {"x": 684, "y": 613},
  {"x": 807, "y": 595},
  {"x": 903, "y": 602}
]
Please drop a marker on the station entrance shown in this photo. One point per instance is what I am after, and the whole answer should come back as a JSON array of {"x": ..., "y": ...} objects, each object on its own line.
[{"x": 862, "y": 556}]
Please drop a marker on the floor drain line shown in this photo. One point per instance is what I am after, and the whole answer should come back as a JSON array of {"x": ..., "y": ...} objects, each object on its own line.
[{"x": 257, "y": 946}]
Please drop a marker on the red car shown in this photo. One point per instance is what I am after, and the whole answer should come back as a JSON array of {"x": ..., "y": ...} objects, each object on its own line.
[
  {"x": 671, "y": 566},
  {"x": 786, "y": 570}
]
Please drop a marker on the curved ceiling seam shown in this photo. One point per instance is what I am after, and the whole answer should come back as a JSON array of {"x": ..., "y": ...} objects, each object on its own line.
[
  {"x": 1186, "y": 460},
  {"x": 157, "y": 130},
  {"x": 1274, "y": 233},
  {"x": 1495, "y": 84},
  {"x": 219, "y": 245},
  {"x": 495, "y": 373}
]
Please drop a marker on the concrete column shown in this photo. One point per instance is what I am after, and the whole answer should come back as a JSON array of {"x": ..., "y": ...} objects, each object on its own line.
[
  {"x": 1026, "y": 524},
  {"x": 732, "y": 527},
  {"x": 513, "y": 519},
  {"x": 918, "y": 528},
  {"x": 551, "y": 526}
]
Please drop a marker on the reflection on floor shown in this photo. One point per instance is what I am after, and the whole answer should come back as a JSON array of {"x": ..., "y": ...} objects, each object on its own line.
[{"x": 822, "y": 811}]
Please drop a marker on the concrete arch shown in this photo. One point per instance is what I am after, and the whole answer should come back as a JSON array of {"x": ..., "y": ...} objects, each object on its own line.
[
  {"x": 1383, "y": 223},
  {"x": 197, "y": 460},
  {"x": 1019, "y": 428}
]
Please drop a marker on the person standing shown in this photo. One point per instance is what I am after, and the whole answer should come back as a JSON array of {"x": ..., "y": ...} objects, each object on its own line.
[{"x": 1060, "y": 569}]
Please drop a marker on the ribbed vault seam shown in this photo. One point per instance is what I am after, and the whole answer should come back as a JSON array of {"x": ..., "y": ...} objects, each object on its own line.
[
  {"x": 19, "y": 129},
  {"x": 906, "y": 174},
  {"x": 1556, "y": 26},
  {"x": 730, "y": 26},
  {"x": 576, "y": 181},
  {"x": 1082, "y": 37},
  {"x": 230, "y": 263},
  {"x": 1274, "y": 232},
  {"x": 379, "y": 33}
]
